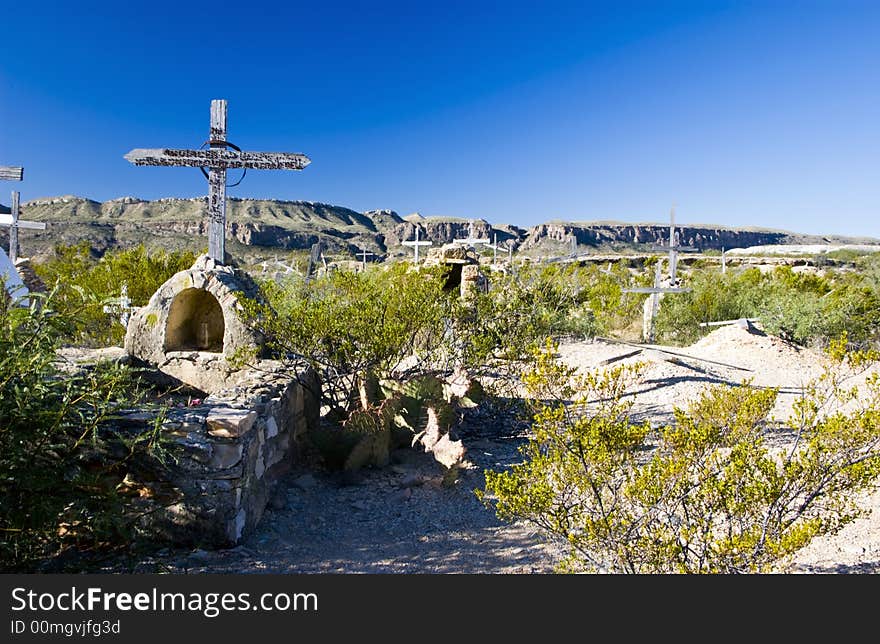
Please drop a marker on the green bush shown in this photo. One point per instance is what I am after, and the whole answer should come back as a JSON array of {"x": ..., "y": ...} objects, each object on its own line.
[
  {"x": 58, "y": 467},
  {"x": 522, "y": 309},
  {"x": 708, "y": 494},
  {"x": 349, "y": 325},
  {"x": 800, "y": 307},
  {"x": 85, "y": 284}
]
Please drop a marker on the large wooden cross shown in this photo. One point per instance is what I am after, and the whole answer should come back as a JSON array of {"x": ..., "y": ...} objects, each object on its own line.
[
  {"x": 218, "y": 158},
  {"x": 14, "y": 223}
]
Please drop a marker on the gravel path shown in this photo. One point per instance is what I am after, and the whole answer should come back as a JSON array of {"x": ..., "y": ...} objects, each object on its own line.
[{"x": 398, "y": 519}]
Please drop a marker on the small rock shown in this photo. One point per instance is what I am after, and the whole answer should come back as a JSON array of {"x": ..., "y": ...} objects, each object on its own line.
[
  {"x": 278, "y": 501},
  {"x": 305, "y": 482},
  {"x": 411, "y": 480},
  {"x": 351, "y": 477},
  {"x": 403, "y": 495}
]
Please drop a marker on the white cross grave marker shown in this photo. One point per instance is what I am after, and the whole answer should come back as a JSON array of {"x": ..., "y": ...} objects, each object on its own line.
[
  {"x": 14, "y": 223},
  {"x": 470, "y": 240},
  {"x": 657, "y": 290},
  {"x": 363, "y": 255},
  {"x": 121, "y": 305},
  {"x": 415, "y": 244},
  {"x": 218, "y": 158}
]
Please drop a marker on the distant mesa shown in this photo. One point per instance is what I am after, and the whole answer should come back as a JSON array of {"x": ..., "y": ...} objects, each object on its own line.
[{"x": 257, "y": 228}]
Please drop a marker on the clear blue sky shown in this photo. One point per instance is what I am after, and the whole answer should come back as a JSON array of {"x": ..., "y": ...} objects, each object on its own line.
[{"x": 744, "y": 113}]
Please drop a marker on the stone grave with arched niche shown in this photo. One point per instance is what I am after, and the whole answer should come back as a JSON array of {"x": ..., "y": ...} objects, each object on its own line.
[{"x": 247, "y": 424}]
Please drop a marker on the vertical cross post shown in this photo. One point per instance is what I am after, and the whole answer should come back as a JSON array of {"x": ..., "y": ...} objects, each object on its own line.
[
  {"x": 673, "y": 246},
  {"x": 13, "y": 229},
  {"x": 121, "y": 305},
  {"x": 217, "y": 185},
  {"x": 723, "y": 262},
  {"x": 655, "y": 303}
]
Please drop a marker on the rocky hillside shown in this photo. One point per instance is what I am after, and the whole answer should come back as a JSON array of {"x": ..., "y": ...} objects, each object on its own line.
[{"x": 263, "y": 228}]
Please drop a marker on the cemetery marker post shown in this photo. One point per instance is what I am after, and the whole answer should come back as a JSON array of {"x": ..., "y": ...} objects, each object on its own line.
[
  {"x": 416, "y": 243},
  {"x": 363, "y": 255},
  {"x": 218, "y": 158},
  {"x": 656, "y": 290},
  {"x": 470, "y": 240},
  {"x": 14, "y": 223}
]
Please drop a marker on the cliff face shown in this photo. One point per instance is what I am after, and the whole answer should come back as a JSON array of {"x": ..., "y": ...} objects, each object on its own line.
[
  {"x": 264, "y": 227},
  {"x": 596, "y": 235},
  {"x": 443, "y": 231}
]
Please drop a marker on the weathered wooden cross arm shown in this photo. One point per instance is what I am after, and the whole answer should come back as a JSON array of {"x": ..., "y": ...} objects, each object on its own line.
[
  {"x": 218, "y": 158},
  {"x": 648, "y": 289},
  {"x": 10, "y": 173},
  {"x": 9, "y": 220}
]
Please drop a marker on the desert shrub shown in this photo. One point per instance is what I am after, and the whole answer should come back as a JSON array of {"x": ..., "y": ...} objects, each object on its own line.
[
  {"x": 801, "y": 307},
  {"x": 58, "y": 467},
  {"x": 707, "y": 494},
  {"x": 85, "y": 284},
  {"x": 522, "y": 309},
  {"x": 349, "y": 325}
]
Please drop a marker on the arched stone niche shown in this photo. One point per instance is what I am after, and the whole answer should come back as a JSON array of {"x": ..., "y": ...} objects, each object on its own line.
[
  {"x": 193, "y": 325},
  {"x": 195, "y": 322}
]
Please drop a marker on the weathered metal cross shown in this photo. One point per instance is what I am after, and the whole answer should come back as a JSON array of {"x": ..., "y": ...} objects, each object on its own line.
[
  {"x": 415, "y": 244},
  {"x": 218, "y": 158},
  {"x": 14, "y": 223}
]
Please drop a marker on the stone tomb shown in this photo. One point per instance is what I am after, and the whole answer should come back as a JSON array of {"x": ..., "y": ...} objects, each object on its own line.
[{"x": 235, "y": 442}]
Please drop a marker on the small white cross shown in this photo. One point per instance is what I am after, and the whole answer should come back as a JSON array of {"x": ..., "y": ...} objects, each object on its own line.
[
  {"x": 415, "y": 244},
  {"x": 363, "y": 255},
  {"x": 121, "y": 305},
  {"x": 470, "y": 240}
]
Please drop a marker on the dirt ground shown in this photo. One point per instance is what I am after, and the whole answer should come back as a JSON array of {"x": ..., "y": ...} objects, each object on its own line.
[{"x": 403, "y": 519}]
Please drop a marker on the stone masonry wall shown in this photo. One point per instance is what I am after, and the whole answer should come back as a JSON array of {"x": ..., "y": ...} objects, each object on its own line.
[{"x": 229, "y": 451}]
